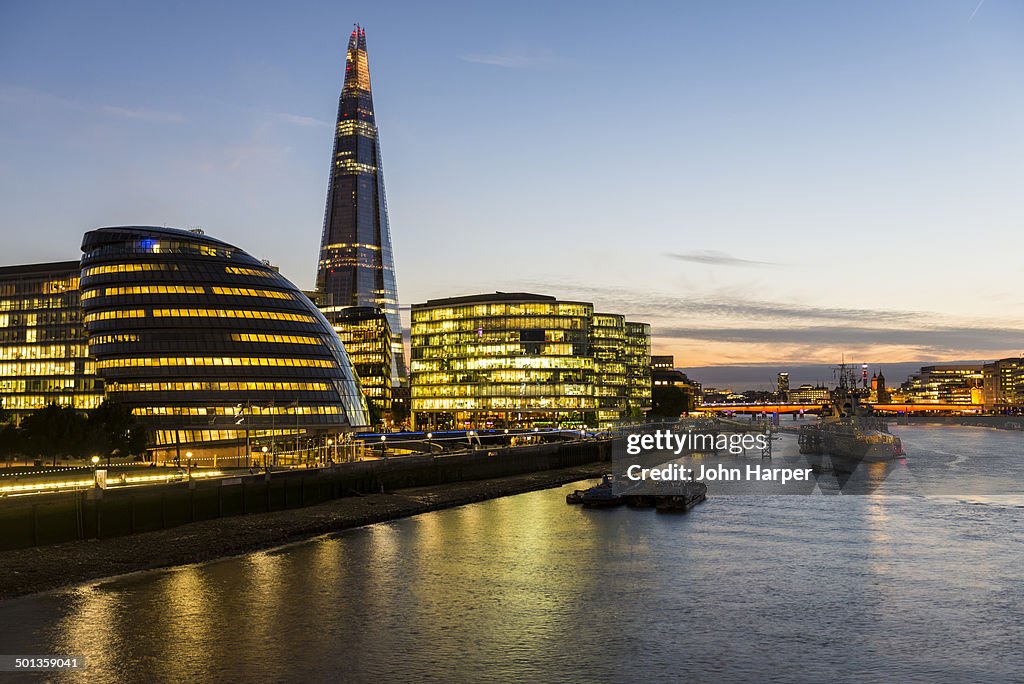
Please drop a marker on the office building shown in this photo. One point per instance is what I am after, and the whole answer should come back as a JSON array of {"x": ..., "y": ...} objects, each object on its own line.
[
  {"x": 209, "y": 346},
  {"x": 43, "y": 351},
  {"x": 515, "y": 360},
  {"x": 365, "y": 332},
  {"x": 356, "y": 267}
]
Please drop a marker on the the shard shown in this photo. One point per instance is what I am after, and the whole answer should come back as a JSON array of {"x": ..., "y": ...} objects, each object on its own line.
[{"x": 356, "y": 265}]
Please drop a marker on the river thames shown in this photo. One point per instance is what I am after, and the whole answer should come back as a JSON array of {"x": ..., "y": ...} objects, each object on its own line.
[{"x": 907, "y": 584}]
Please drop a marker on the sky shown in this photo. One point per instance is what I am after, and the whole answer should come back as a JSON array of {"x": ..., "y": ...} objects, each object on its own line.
[{"x": 779, "y": 183}]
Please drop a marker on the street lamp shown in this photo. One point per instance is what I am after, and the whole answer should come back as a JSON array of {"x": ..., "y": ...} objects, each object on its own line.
[
  {"x": 188, "y": 455},
  {"x": 383, "y": 446},
  {"x": 330, "y": 443},
  {"x": 264, "y": 450}
]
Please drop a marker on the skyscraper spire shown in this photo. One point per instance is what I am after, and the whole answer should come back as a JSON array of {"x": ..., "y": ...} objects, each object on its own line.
[{"x": 356, "y": 265}]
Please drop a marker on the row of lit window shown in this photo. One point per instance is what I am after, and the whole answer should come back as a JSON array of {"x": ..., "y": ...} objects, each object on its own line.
[
  {"x": 495, "y": 390},
  {"x": 461, "y": 312},
  {"x": 247, "y": 292},
  {"x": 141, "y": 290},
  {"x": 506, "y": 376},
  {"x": 506, "y": 350},
  {"x": 36, "y": 303},
  {"x": 504, "y": 404},
  {"x": 126, "y": 268},
  {"x": 182, "y": 289},
  {"x": 240, "y": 270},
  {"x": 30, "y": 402},
  {"x": 27, "y": 285},
  {"x": 352, "y": 245},
  {"x": 485, "y": 363},
  {"x": 42, "y": 368},
  {"x": 275, "y": 339},
  {"x": 43, "y": 351},
  {"x": 212, "y": 361},
  {"x": 237, "y": 412},
  {"x": 111, "y": 315},
  {"x": 232, "y": 313},
  {"x": 49, "y": 385},
  {"x": 476, "y": 325},
  {"x": 113, "y": 339},
  {"x": 200, "y": 386}
]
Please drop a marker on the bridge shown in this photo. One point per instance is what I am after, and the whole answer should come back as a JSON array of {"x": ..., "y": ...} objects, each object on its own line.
[{"x": 758, "y": 408}]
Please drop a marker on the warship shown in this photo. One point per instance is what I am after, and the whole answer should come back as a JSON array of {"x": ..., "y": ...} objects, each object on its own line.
[{"x": 846, "y": 429}]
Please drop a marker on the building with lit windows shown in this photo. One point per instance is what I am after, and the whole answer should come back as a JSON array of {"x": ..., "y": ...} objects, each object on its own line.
[
  {"x": 638, "y": 369},
  {"x": 43, "y": 352},
  {"x": 209, "y": 346},
  {"x": 365, "y": 332},
  {"x": 514, "y": 360},
  {"x": 356, "y": 266},
  {"x": 1003, "y": 385},
  {"x": 608, "y": 347},
  {"x": 948, "y": 384},
  {"x": 810, "y": 394}
]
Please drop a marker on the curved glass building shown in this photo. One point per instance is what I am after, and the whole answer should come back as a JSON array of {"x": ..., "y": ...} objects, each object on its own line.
[{"x": 210, "y": 346}]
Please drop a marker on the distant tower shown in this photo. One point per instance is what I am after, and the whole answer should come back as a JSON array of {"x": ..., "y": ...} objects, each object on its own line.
[
  {"x": 880, "y": 390},
  {"x": 783, "y": 385},
  {"x": 356, "y": 266}
]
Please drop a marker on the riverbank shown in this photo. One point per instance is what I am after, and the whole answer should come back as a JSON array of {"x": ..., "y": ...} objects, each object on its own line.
[{"x": 33, "y": 570}]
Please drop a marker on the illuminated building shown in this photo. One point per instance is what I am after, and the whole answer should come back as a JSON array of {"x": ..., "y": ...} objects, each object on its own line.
[
  {"x": 520, "y": 360},
  {"x": 365, "y": 332},
  {"x": 356, "y": 266},
  {"x": 665, "y": 374},
  {"x": 1003, "y": 388},
  {"x": 43, "y": 352},
  {"x": 950, "y": 384},
  {"x": 208, "y": 345},
  {"x": 782, "y": 386},
  {"x": 638, "y": 369},
  {"x": 608, "y": 347},
  {"x": 809, "y": 394}
]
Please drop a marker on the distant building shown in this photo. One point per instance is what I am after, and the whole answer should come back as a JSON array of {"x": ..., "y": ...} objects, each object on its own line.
[
  {"x": 638, "y": 369},
  {"x": 44, "y": 356},
  {"x": 665, "y": 374},
  {"x": 782, "y": 384},
  {"x": 879, "y": 392},
  {"x": 809, "y": 394},
  {"x": 1003, "y": 385},
  {"x": 510, "y": 360},
  {"x": 662, "y": 362},
  {"x": 946, "y": 384}
]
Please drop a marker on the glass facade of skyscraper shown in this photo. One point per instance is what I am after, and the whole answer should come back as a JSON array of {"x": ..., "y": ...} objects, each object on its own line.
[
  {"x": 517, "y": 360},
  {"x": 356, "y": 266},
  {"x": 365, "y": 332},
  {"x": 43, "y": 353},
  {"x": 638, "y": 369},
  {"x": 209, "y": 345}
]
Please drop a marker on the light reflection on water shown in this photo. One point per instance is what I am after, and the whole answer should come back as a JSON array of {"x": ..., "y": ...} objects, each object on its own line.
[{"x": 788, "y": 588}]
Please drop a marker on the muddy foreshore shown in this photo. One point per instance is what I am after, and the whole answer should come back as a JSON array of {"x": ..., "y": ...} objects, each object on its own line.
[{"x": 37, "y": 569}]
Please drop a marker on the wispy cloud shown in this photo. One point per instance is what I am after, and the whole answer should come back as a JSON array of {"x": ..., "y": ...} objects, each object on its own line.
[
  {"x": 728, "y": 307},
  {"x": 300, "y": 120},
  {"x": 976, "y": 8},
  {"x": 713, "y": 258},
  {"x": 143, "y": 114},
  {"x": 515, "y": 59},
  {"x": 37, "y": 99}
]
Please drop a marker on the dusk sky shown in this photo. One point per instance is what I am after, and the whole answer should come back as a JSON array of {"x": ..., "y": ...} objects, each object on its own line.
[{"x": 764, "y": 182}]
